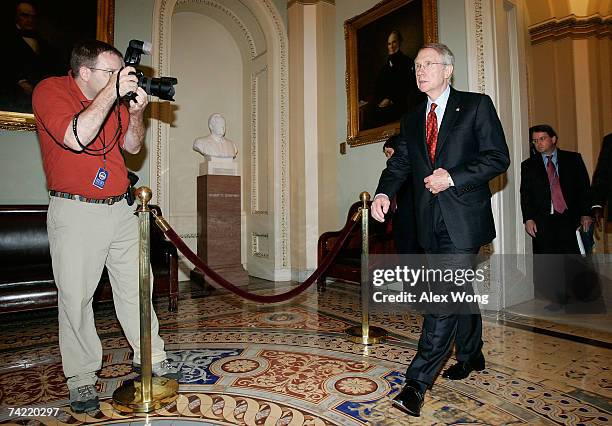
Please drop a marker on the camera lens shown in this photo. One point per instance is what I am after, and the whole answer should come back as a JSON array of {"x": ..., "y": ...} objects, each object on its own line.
[{"x": 162, "y": 87}]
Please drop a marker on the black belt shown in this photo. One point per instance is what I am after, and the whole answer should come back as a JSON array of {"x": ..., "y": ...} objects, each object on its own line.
[{"x": 109, "y": 200}]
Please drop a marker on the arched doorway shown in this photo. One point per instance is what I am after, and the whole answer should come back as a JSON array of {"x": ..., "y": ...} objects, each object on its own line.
[{"x": 249, "y": 41}]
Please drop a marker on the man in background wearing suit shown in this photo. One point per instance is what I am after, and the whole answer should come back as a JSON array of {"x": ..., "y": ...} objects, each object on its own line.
[
  {"x": 451, "y": 145},
  {"x": 555, "y": 201},
  {"x": 601, "y": 189}
]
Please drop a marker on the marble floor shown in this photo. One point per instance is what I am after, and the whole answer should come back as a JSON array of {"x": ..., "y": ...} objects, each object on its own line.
[{"x": 290, "y": 364}]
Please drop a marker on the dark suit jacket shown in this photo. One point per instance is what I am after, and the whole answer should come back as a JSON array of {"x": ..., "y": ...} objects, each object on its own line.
[
  {"x": 601, "y": 189},
  {"x": 472, "y": 148},
  {"x": 535, "y": 188}
]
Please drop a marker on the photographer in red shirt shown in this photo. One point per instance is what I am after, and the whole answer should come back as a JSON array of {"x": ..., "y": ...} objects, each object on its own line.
[{"x": 83, "y": 124}]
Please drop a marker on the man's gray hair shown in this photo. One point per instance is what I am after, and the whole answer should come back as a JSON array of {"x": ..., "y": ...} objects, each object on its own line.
[{"x": 447, "y": 56}]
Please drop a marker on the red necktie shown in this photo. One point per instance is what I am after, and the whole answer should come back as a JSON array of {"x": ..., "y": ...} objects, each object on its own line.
[
  {"x": 431, "y": 128},
  {"x": 555, "y": 187}
]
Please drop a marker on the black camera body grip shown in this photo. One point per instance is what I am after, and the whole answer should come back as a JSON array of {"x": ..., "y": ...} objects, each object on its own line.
[
  {"x": 129, "y": 195},
  {"x": 131, "y": 96}
]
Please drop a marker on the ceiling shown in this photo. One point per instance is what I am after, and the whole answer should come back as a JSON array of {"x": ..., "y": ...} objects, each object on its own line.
[{"x": 539, "y": 11}]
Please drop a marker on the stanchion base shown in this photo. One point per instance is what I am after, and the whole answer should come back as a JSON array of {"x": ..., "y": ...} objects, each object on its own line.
[
  {"x": 376, "y": 335},
  {"x": 128, "y": 398}
]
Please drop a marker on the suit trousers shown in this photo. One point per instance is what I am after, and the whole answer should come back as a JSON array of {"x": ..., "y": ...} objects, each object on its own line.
[
  {"x": 556, "y": 235},
  {"x": 442, "y": 327},
  {"x": 84, "y": 237},
  {"x": 556, "y": 259}
]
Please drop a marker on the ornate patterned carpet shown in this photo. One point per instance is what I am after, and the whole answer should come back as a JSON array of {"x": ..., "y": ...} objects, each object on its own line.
[{"x": 290, "y": 364}]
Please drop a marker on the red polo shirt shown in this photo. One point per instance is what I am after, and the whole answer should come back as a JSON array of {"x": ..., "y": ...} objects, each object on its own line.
[{"x": 55, "y": 101}]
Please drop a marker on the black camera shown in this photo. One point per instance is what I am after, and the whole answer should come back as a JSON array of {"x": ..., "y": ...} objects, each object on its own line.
[
  {"x": 162, "y": 87},
  {"x": 129, "y": 195}
]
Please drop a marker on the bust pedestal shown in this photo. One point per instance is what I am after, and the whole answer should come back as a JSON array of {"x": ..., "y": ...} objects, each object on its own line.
[{"x": 218, "y": 203}]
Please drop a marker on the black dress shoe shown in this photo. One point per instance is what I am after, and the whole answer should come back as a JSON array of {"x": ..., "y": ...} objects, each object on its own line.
[
  {"x": 463, "y": 369},
  {"x": 409, "y": 400}
]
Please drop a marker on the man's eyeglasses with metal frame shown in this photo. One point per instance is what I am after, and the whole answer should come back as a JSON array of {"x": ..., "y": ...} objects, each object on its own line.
[
  {"x": 425, "y": 66},
  {"x": 110, "y": 72},
  {"x": 540, "y": 139}
]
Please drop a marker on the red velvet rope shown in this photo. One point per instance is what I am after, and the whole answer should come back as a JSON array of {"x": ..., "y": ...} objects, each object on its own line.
[{"x": 193, "y": 258}]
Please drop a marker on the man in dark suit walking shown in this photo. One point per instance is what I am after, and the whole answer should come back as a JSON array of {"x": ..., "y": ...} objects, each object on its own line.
[
  {"x": 555, "y": 201},
  {"x": 451, "y": 145}
]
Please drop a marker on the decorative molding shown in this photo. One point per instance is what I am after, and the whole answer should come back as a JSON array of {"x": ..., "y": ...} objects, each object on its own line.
[
  {"x": 309, "y": 2},
  {"x": 571, "y": 26},
  {"x": 159, "y": 136},
  {"x": 254, "y": 165},
  {"x": 281, "y": 34},
  {"x": 479, "y": 46},
  {"x": 255, "y": 141},
  {"x": 255, "y": 245},
  {"x": 232, "y": 16},
  {"x": 189, "y": 236},
  {"x": 158, "y": 163}
]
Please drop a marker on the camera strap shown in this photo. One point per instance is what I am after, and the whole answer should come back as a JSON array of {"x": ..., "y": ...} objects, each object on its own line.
[
  {"x": 97, "y": 152},
  {"x": 75, "y": 119},
  {"x": 117, "y": 86},
  {"x": 102, "y": 151}
]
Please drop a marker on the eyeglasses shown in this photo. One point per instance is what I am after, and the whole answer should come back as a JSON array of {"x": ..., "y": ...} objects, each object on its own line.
[
  {"x": 110, "y": 72},
  {"x": 425, "y": 66},
  {"x": 540, "y": 139}
]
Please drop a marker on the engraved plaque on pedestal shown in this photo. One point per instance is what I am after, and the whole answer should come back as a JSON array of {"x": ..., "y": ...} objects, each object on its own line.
[
  {"x": 219, "y": 166},
  {"x": 218, "y": 219}
]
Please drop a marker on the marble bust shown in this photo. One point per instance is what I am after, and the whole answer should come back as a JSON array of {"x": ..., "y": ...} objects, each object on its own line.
[
  {"x": 218, "y": 151},
  {"x": 215, "y": 145}
]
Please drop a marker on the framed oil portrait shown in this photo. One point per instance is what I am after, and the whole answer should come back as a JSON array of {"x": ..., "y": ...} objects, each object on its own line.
[
  {"x": 37, "y": 39},
  {"x": 381, "y": 45}
]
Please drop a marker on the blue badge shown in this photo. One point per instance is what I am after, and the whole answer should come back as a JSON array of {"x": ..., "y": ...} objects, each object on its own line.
[{"x": 100, "y": 179}]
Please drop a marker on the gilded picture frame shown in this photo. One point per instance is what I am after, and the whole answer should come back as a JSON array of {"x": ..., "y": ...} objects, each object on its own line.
[
  {"x": 104, "y": 31},
  {"x": 367, "y": 55}
]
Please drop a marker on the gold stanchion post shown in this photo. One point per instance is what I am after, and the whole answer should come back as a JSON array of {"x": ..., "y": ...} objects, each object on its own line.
[
  {"x": 365, "y": 334},
  {"x": 146, "y": 393}
]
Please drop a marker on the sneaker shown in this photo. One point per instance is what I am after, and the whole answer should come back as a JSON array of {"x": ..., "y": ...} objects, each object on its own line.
[
  {"x": 163, "y": 369},
  {"x": 84, "y": 398}
]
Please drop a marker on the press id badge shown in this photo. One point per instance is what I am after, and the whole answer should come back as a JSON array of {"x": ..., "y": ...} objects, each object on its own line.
[{"x": 100, "y": 179}]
